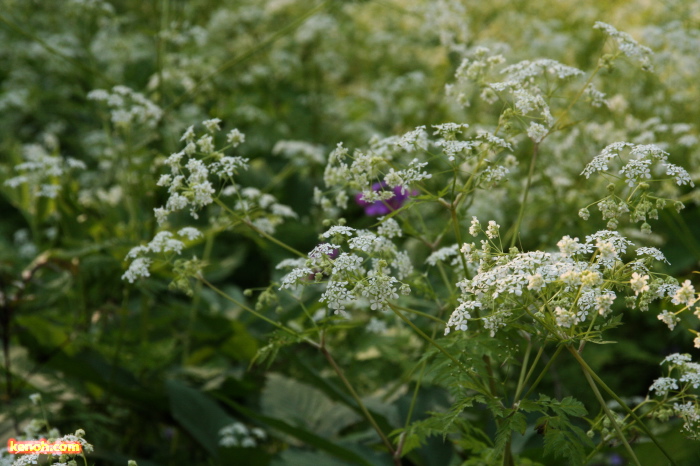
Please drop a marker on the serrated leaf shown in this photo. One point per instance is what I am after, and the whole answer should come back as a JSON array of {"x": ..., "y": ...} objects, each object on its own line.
[
  {"x": 515, "y": 422},
  {"x": 566, "y": 442}
]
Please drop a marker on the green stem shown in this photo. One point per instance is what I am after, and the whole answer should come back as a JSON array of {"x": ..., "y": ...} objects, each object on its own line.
[
  {"x": 523, "y": 377},
  {"x": 458, "y": 237},
  {"x": 357, "y": 399},
  {"x": 516, "y": 227},
  {"x": 609, "y": 413},
  {"x": 258, "y": 230},
  {"x": 436, "y": 345},
  {"x": 544, "y": 371},
  {"x": 573, "y": 102},
  {"x": 422, "y": 314},
  {"x": 254, "y": 312},
  {"x": 603, "y": 385},
  {"x": 208, "y": 245}
]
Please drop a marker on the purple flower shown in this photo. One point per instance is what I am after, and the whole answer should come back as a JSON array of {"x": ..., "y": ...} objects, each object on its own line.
[{"x": 374, "y": 209}]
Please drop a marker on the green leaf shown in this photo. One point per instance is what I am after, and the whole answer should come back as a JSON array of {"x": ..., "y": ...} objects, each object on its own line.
[
  {"x": 569, "y": 406},
  {"x": 337, "y": 450},
  {"x": 299, "y": 404},
  {"x": 515, "y": 422},
  {"x": 198, "y": 414},
  {"x": 562, "y": 439}
]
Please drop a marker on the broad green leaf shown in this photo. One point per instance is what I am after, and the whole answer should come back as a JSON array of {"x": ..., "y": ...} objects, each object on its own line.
[{"x": 198, "y": 414}]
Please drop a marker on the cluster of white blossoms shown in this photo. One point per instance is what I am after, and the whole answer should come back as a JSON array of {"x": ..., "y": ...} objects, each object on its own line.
[
  {"x": 628, "y": 45},
  {"x": 190, "y": 186},
  {"x": 639, "y": 168},
  {"x": 188, "y": 182},
  {"x": 365, "y": 167},
  {"x": 683, "y": 374},
  {"x": 238, "y": 435},
  {"x": 367, "y": 276},
  {"x": 647, "y": 164},
  {"x": 390, "y": 168},
  {"x": 262, "y": 209},
  {"x": 128, "y": 107},
  {"x": 42, "y": 172},
  {"x": 300, "y": 152},
  {"x": 163, "y": 243},
  {"x": 558, "y": 289},
  {"x": 523, "y": 83}
]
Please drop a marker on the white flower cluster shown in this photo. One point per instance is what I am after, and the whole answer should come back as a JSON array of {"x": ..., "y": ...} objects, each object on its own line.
[
  {"x": 690, "y": 413},
  {"x": 628, "y": 45},
  {"x": 41, "y": 171},
  {"x": 441, "y": 255},
  {"x": 648, "y": 163},
  {"x": 238, "y": 435},
  {"x": 521, "y": 81},
  {"x": 524, "y": 71},
  {"x": 300, "y": 152},
  {"x": 638, "y": 169},
  {"x": 128, "y": 107},
  {"x": 683, "y": 373},
  {"x": 164, "y": 242},
  {"x": 188, "y": 182},
  {"x": 564, "y": 286},
  {"x": 262, "y": 208},
  {"x": 392, "y": 166},
  {"x": 348, "y": 276}
]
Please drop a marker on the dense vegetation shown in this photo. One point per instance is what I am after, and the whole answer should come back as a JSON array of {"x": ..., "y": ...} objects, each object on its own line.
[{"x": 350, "y": 232}]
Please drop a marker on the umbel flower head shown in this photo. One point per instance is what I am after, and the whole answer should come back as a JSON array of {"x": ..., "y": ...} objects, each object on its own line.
[{"x": 376, "y": 208}]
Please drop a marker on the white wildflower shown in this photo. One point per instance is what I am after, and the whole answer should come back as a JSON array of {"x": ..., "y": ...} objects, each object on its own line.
[
  {"x": 190, "y": 233},
  {"x": 461, "y": 315},
  {"x": 669, "y": 319},
  {"x": 442, "y": 255},
  {"x": 212, "y": 125},
  {"x": 235, "y": 138},
  {"x": 492, "y": 229},
  {"x": 338, "y": 230},
  {"x": 475, "y": 227},
  {"x": 663, "y": 385},
  {"x": 638, "y": 283},
  {"x": 685, "y": 295},
  {"x": 536, "y": 132},
  {"x": 568, "y": 246},
  {"x": 138, "y": 268}
]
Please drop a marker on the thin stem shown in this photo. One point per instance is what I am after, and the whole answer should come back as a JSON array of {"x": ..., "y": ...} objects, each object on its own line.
[
  {"x": 604, "y": 386},
  {"x": 254, "y": 312},
  {"x": 516, "y": 227},
  {"x": 422, "y": 314},
  {"x": 544, "y": 371},
  {"x": 357, "y": 399},
  {"x": 608, "y": 413},
  {"x": 435, "y": 344},
  {"x": 523, "y": 377},
  {"x": 575, "y": 99},
  {"x": 458, "y": 237},
  {"x": 208, "y": 245},
  {"x": 258, "y": 230}
]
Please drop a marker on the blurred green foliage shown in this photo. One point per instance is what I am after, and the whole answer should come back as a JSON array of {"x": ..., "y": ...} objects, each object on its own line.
[{"x": 152, "y": 374}]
